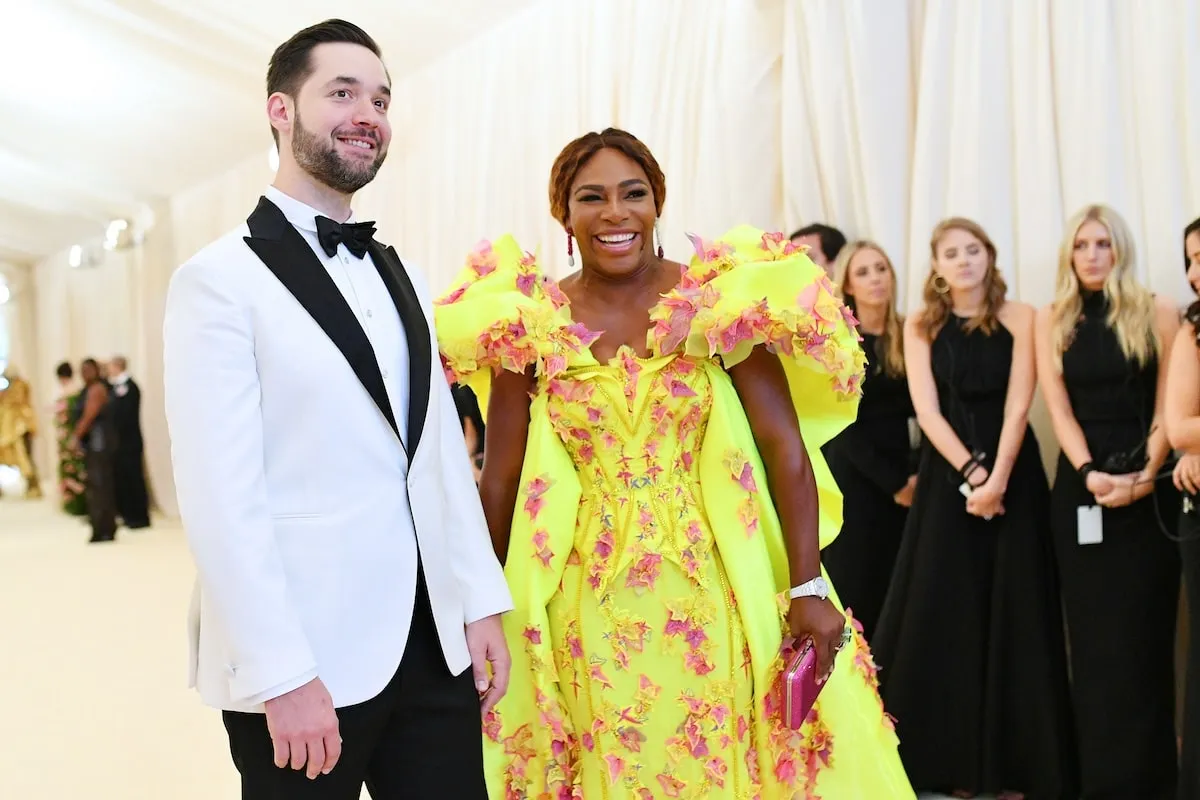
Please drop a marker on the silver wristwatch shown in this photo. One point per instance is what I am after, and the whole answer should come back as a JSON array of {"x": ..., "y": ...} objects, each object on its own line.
[{"x": 817, "y": 587}]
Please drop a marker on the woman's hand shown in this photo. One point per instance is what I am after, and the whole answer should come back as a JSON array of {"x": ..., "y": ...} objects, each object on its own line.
[
  {"x": 820, "y": 619},
  {"x": 1187, "y": 474},
  {"x": 986, "y": 500},
  {"x": 904, "y": 497},
  {"x": 1126, "y": 489},
  {"x": 1099, "y": 484}
]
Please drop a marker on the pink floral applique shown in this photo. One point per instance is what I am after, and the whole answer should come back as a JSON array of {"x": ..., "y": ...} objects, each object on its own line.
[
  {"x": 642, "y": 575},
  {"x": 541, "y": 551},
  {"x": 742, "y": 472},
  {"x": 708, "y": 251},
  {"x": 671, "y": 786},
  {"x": 482, "y": 259},
  {"x": 778, "y": 245},
  {"x": 453, "y": 296},
  {"x": 629, "y": 362},
  {"x": 535, "y": 492}
]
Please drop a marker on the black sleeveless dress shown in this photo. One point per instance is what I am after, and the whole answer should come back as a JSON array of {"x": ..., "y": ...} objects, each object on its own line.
[
  {"x": 1189, "y": 764},
  {"x": 1121, "y": 595},
  {"x": 970, "y": 642},
  {"x": 871, "y": 461}
]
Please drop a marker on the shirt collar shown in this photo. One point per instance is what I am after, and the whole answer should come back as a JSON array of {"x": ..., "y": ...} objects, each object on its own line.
[
  {"x": 122, "y": 378},
  {"x": 302, "y": 215}
]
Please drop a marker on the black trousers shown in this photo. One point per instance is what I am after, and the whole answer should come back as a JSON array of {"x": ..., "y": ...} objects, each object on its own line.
[
  {"x": 129, "y": 480},
  {"x": 421, "y": 738},
  {"x": 101, "y": 497}
]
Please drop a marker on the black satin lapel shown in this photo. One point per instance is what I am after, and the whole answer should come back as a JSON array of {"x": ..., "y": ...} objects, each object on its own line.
[
  {"x": 416, "y": 331},
  {"x": 284, "y": 252}
]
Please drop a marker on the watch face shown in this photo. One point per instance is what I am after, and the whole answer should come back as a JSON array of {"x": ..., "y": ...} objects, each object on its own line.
[{"x": 822, "y": 587}]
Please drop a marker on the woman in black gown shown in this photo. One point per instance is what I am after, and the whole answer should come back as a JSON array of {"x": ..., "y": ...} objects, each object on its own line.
[
  {"x": 1098, "y": 348},
  {"x": 1182, "y": 415},
  {"x": 970, "y": 642},
  {"x": 871, "y": 460}
]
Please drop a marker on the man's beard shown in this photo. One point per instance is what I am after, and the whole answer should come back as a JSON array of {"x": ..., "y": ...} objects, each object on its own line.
[{"x": 320, "y": 159}]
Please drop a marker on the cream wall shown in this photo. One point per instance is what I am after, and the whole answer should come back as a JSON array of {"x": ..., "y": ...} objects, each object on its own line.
[{"x": 881, "y": 117}]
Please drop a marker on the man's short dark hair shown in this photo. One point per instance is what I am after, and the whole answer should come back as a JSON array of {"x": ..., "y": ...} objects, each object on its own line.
[
  {"x": 832, "y": 240},
  {"x": 291, "y": 63}
]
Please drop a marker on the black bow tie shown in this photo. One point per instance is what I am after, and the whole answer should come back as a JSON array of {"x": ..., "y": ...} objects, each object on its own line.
[{"x": 356, "y": 237}]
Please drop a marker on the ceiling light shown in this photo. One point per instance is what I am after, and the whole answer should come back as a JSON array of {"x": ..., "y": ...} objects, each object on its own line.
[
  {"x": 273, "y": 158},
  {"x": 75, "y": 258},
  {"x": 5, "y": 294}
]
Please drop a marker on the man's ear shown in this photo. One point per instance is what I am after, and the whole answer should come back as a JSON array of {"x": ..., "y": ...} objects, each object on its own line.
[{"x": 280, "y": 112}]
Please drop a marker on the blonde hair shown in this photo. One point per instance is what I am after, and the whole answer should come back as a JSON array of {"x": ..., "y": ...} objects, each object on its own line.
[
  {"x": 1131, "y": 312},
  {"x": 938, "y": 306},
  {"x": 890, "y": 346}
]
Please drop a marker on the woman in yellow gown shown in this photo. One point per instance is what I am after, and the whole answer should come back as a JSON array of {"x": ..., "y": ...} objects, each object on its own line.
[{"x": 650, "y": 495}]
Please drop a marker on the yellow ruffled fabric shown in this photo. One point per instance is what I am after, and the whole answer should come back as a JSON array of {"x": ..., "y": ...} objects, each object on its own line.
[{"x": 646, "y": 561}]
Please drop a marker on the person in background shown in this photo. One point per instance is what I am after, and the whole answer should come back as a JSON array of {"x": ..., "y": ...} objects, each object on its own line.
[
  {"x": 129, "y": 472},
  {"x": 1181, "y": 414},
  {"x": 18, "y": 427},
  {"x": 824, "y": 243},
  {"x": 872, "y": 459},
  {"x": 1099, "y": 365},
  {"x": 472, "y": 423},
  {"x": 96, "y": 434},
  {"x": 72, "y": 474},
  {"x": 970, "y": 642}
]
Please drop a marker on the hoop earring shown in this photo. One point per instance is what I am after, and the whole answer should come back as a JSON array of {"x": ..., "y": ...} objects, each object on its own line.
[
  {"x": 570, "y": 249},
  {"x": 658, "y": 236},
  {"x": 940, "y": 284}
]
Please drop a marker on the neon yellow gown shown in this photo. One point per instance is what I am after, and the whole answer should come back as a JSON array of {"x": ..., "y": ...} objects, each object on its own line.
[{"x": 646, "y": 561}]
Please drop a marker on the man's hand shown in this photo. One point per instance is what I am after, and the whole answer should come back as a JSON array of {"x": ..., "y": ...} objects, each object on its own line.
[
  {"x": 485, "y": 641},
  {"x": 304, "y": 729}
]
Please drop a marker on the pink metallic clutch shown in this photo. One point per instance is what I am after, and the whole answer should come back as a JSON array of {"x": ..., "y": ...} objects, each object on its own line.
[{"x": 799, "y": 685}]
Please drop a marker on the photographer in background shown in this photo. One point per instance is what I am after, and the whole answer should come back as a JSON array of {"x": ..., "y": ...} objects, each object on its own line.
[{"x": 1182, "y": 417}]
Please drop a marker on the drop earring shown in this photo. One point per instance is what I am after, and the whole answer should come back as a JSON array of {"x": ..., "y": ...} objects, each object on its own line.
[
  {"x": 658, "y": 236},
  {"x": 570, "y": 249}
]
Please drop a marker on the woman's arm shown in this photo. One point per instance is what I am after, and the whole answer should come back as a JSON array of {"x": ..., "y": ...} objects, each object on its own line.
[
  {"x": 923, "y": 389},
  {"x": 96, "y": 397},
  {"x": 1022, "y": 380},
  {"x": 1054, "y": 390},
  {"x": 1158, "y": 448},
  {"x": 1167, "y": 323},
  {"x": 763, "y": 388},
  {"x": 1181, "y": 403},
  {"x": 504, "y": 454}
]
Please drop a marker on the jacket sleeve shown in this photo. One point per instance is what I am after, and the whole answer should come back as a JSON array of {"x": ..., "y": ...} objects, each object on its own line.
[{"x": 213, "y": 415}]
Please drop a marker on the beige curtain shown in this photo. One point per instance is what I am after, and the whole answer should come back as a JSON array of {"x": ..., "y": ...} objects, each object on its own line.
[{"x": 879, "y": 117}]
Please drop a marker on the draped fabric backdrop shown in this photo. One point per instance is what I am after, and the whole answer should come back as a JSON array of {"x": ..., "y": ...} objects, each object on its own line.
[{"x": 879, "y": 116}]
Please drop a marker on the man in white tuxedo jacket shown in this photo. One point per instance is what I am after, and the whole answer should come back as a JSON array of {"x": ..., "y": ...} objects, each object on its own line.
[{"x": 346, "y": 617}]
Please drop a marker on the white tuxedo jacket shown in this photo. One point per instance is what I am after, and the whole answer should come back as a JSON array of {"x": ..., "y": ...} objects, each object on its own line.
[{"x": 294, "y": 483}]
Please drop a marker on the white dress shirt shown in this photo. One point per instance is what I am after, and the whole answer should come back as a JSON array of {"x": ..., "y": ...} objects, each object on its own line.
[{"x": 368, "y": 297}]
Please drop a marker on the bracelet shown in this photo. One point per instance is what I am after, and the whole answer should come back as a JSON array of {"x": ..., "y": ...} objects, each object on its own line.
[
  {"x": 969, "y": 468},
  {"x": 1087, "y": 469}
]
